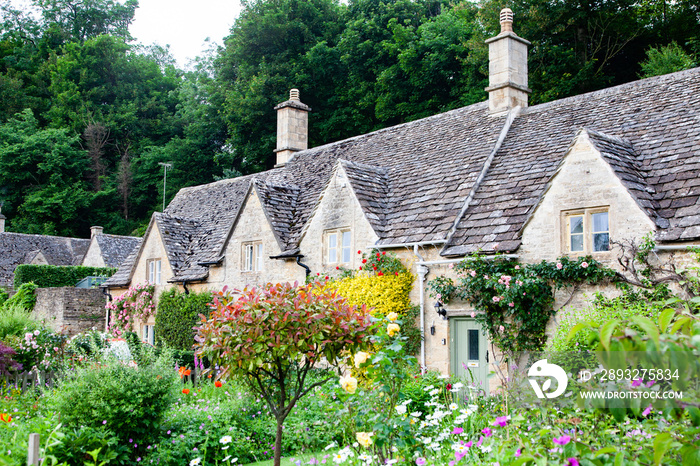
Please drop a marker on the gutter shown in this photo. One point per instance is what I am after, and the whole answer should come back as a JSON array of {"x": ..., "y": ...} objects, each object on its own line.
[
  {"x": 410, "y": 245},
  {"x": 675, "y": 247},
  {"x": 298, "y": 260}
]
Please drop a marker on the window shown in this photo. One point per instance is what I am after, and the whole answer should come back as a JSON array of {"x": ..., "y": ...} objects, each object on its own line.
[
  {"x": 252, "y": 257},
  {"x": 588, "y": 231},
  {"x": 154, "y": 271},
  {"x": 148, "y": 335},
  {"x": 339, "y": 246}
]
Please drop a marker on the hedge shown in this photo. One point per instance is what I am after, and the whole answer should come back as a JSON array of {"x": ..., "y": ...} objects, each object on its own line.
[
  {"x": 176, "y": 316},
  {"x": 24, "y": 298},
  {"x": 51, "y": 276}
]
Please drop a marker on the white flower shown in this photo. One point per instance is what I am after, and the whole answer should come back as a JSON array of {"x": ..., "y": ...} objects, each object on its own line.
[
  {"x": 339, "y": 457},
  {"x": 196, "y": 461},
  {"x": 453, "y": 406},
  {"x": 486, "y": 448},
  {"x": 331, "y": 445},
  {"x": 458, "y": 385},
  {"x": 226, "y": 439},
  {"x": 416, "y": 413},
  {"x": 429, "y": 387},
  {"x": 434, "y": 392},
  {"x": 365, "y": 457},
  {"x": 401, "y": 409},
  {"x": 392, "y": 461}
]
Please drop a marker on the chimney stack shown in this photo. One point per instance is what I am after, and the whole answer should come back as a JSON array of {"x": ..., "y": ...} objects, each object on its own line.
[
  {"x": 94, "y": 231},
  {"x": 2, "y": 221},
  {"x": 507, "y": 68},
  {"x": 292, "y": 128}
]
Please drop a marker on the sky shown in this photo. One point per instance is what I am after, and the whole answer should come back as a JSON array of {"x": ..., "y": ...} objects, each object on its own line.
[{"x": 183, "y": 24}]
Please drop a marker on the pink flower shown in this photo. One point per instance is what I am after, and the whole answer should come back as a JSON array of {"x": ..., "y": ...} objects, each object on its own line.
[
  {"x": 457, "y": 430},
  {"x": 517, "y": 267},
  {"x": 650, "y": 383},
  {"x": 487, "y": 432},
  {"x": 636, "y": 382},
  {"x": 646, "y": 412},
  {"x": 501, "y": 328},
  {"x": 511, "y": 304},
  {"x": 472, "y": 273},
  {"x": 420, "y": 461},
  {"x": 481, "y": 440},
  {"x": 473, "y": 314},
  {"x": 584, "y": 265},
  {"x": 572, "y": 462},
  {"x": 518, "y": 452},
  {"x": 559, "y": 266},
  {"x": 563, "y": 440},
  {"x": 501, "y": 421},
  {"x": 495, "y": 299}
]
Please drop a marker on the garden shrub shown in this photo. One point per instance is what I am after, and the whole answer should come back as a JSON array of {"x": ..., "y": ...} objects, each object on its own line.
[
  {"x": 16, "y": 321},
  {"x": 51, "y": 276},
  {"x": 3, "y": 296},
  {"x": 24, "y": 297},
  {"x": 129, "y": 401},
  {"x": 136, "y": 303},
  {"x": 7, "y": 363},
  {"x": 178, "y": 314},
  {"x": 41, "y": 348},
  {"x": 76, "y": 444},
  {"x": 89, "y": 345},
  {"x": 383, "y": 293}
]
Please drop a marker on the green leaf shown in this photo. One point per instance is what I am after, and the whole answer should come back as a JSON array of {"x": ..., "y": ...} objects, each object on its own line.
[
  {"x": 606, "y": 332},
  {"x": 648, "y": 326},
  {"x": 662, "y": 443},
  {"x": 665, "y": 318},
  {"x": 576, "y": 329}
]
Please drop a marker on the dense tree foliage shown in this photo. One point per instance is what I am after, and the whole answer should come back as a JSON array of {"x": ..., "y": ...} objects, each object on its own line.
[{"x": 94, "y": 116}]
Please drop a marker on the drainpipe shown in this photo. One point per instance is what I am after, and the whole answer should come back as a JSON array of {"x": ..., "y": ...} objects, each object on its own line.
[
  {"x": 184, "y": 285},
  {"x": 306, "y": 267},
  {"x": 422, "y": 273}
]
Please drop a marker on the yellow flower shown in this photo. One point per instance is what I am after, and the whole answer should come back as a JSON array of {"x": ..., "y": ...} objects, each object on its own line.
[
  {"x": 360, "y": 358},
  {"x": 349, "y": 384},
  {"x": 392, "y": 316},
  {"x": 392, "y": 329},
  {"x": 364, "y": 438}
]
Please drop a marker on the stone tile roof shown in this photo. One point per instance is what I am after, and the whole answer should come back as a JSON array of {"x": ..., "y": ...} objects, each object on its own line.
[
  {"x": 412, "y": 180},
  {"x": 658, "y": 117},
  {"x": 16, "y": 248},
  {"x": 115, "y": 248}
]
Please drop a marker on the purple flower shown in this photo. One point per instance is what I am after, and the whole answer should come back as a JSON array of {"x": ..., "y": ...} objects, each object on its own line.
[
  {"x": 650, "y": 383},
  {"x": 572, "y": 462},
  {"x": 518, "y": 452},
  {"x": 420, "y": 461},
  {"x": 501, "y": 421},
  {"x": 481, "y": 440},
  {"x": 636, "y": 382},
  {"x": 646, "y": 412},
  {"x": 457, "y": 430},
  {"x": 487, "y": 432},
  {"x": 563, "y": 440},
  {"x": 104, "y": 422}
]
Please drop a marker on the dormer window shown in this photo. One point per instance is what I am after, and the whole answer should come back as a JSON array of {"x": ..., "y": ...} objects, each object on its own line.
[
  {"x": 587, "y": 231},
  {"x": 154, "y": 271},
  {"x": 252, "y": 256},
  {"x": 339, "y": 246}
]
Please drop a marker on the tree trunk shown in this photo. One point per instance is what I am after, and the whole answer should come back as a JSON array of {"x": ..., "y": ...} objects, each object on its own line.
[{"x": 278, "y": 442}]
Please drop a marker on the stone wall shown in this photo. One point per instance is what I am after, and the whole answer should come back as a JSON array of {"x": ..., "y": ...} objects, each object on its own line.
[{"x": 71, "y": 310}]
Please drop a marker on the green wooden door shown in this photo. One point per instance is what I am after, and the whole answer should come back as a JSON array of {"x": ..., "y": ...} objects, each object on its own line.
[{"x": 468, "y": 352}]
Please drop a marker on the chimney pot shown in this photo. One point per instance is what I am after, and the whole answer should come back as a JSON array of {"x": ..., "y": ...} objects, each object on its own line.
[
  {"x": 294, "y": 94},
  {"x": 506, "y": 20},
  {"x": 94, "y": 231}
]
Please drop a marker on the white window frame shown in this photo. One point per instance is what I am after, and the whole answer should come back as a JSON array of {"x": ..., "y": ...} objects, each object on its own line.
[
  {"x": 148, "y": 334},
  {"x": 252, "y": 256},
  {"x": 154, "y": 272},
  {"x": 587, "y": 233},
  {"x": 338, "y": 246}
]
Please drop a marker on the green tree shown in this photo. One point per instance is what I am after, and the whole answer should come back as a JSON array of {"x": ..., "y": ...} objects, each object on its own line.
[
  {"x": 41, "y": 178},
  {"x": 272, "y": 337},
  {"x": 666, "y": 59}
]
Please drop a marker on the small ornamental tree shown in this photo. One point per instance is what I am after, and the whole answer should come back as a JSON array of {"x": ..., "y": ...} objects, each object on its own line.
[{"x": 271, "y": 337}]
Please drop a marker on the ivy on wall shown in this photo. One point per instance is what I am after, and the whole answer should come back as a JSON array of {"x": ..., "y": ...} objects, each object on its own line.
[
  {"x": 50, "y": 276},
  {"x": 178, "y": 313},
  {"x": 515, "y": 300}
]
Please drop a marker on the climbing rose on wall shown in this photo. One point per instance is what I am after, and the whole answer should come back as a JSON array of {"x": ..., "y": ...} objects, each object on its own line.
[{"x": 135, "y": 303}]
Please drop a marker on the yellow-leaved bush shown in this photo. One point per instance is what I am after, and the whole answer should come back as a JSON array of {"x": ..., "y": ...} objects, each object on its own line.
[{"x": 383, "y": 293}]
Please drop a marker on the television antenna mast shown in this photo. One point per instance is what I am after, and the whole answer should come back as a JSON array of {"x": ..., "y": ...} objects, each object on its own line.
[{"x": 166, "y": 166}]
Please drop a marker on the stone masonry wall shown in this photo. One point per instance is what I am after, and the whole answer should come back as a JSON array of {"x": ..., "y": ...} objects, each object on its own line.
[{"x": 71, "y": 310}]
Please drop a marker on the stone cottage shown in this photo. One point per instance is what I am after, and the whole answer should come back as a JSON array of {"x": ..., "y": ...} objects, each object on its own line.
[
  {"x": 561, "y": 178},
  {"x": 101, "y": 250}
]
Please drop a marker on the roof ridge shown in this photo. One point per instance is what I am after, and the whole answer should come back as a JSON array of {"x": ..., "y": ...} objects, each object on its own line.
[{"x": 614, "y": 89}]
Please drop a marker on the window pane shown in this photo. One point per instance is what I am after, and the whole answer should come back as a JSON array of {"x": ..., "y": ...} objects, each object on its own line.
[
  {"x": 601, "y": 242},
  {"x": 258, "y": 256},
  {"x": 151, "y": 272},
  {"x": 576, "y": 243},
  {"x": 346, "y": 246},
  {"x": 600, "y": 222},
  {"x": 333, "y": 248},
  {"x": 473, "y": 336},
  {"x": 248, "y": 265},
  {"x": 576, "y": 224},
  {"x": 157, "y": 272}
]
